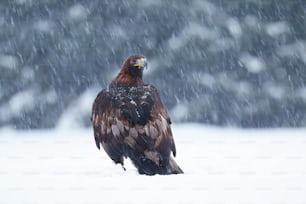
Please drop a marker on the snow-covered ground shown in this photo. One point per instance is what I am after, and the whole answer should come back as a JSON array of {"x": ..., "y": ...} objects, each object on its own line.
[{"x": 221, "y": 165}]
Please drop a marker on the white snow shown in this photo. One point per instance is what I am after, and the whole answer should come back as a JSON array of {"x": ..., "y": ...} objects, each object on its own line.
[
  {"x": 234, "y": 27},
  {"x": 148, "y": 3},
  {"x": 205, "y": 6},
  {"x": 252, "y": 21},
  {"x": 45, "y": 26},
  {"x": 301, "y": 93},
  {"x": 277, "y": 28},
  {"x": 179, "y": 112},
  {"x": 22, "y": 101},
  {"x": 77, "y": 110},
  {"x": 275, "y": 91},
  {"x": 77, "y": 12},
  {"x": 222, "y": 44},
  {"x": 252, "y": 63},
  {"x": 192, "y": 30},
  {"x": 222, "y": 165},
  {"x": 297, "y": 49},
  {"x": 8, "y": 61},
  {"x": 2, "y": 20},
  {"x": 27, "y": 73},
  {"x": 206, "y": 79},
  {"x": 20, "y": 2},
  {"x": 117, "y": 32}
]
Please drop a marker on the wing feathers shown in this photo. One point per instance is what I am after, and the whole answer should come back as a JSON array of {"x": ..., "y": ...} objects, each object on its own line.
[
  {"x": 115, "y": 130},
  {"x": 133, "y": 117}
]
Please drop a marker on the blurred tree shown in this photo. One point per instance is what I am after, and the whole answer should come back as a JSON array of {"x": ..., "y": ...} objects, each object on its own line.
[{"x": 238, "y": 63}]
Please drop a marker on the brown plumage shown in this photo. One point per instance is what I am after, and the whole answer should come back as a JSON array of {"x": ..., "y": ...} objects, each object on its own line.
[{"x": 129, "y": 120}]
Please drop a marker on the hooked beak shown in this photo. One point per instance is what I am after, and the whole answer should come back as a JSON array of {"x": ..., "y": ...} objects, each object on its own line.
[{"x": 142, "y": 63}]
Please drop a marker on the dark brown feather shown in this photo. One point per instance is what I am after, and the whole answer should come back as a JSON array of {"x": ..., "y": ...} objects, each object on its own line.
[{"x": 129, "y": 120}]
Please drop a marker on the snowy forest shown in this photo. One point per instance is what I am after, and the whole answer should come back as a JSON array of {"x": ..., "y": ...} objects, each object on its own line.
[
  {"x": 216, "y": 62},
  {"x": 231, "y": 74}
]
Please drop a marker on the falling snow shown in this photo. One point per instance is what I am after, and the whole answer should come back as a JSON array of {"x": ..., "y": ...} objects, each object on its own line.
[{"x": 224, "y": 63}]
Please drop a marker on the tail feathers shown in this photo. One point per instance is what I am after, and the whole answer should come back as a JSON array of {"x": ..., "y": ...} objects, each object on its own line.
[
  {"x": 151, "y": 163},
  {"x": 174, "y": 168},
  {"x": 148, "y": 167}
]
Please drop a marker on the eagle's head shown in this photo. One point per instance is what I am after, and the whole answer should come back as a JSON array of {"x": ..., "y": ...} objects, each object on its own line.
[
  {"x": 131, "y": 70},
  {"x": 134, "y": 65}
]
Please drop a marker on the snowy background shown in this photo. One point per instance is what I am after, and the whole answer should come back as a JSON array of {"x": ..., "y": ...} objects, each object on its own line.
[
  {"x": 226, "y": 63},
  {"x": 219, "y": 65}
]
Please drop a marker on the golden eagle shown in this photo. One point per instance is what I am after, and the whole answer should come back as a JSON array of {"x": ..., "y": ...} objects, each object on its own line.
[{"x": 129, "y": 120}]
